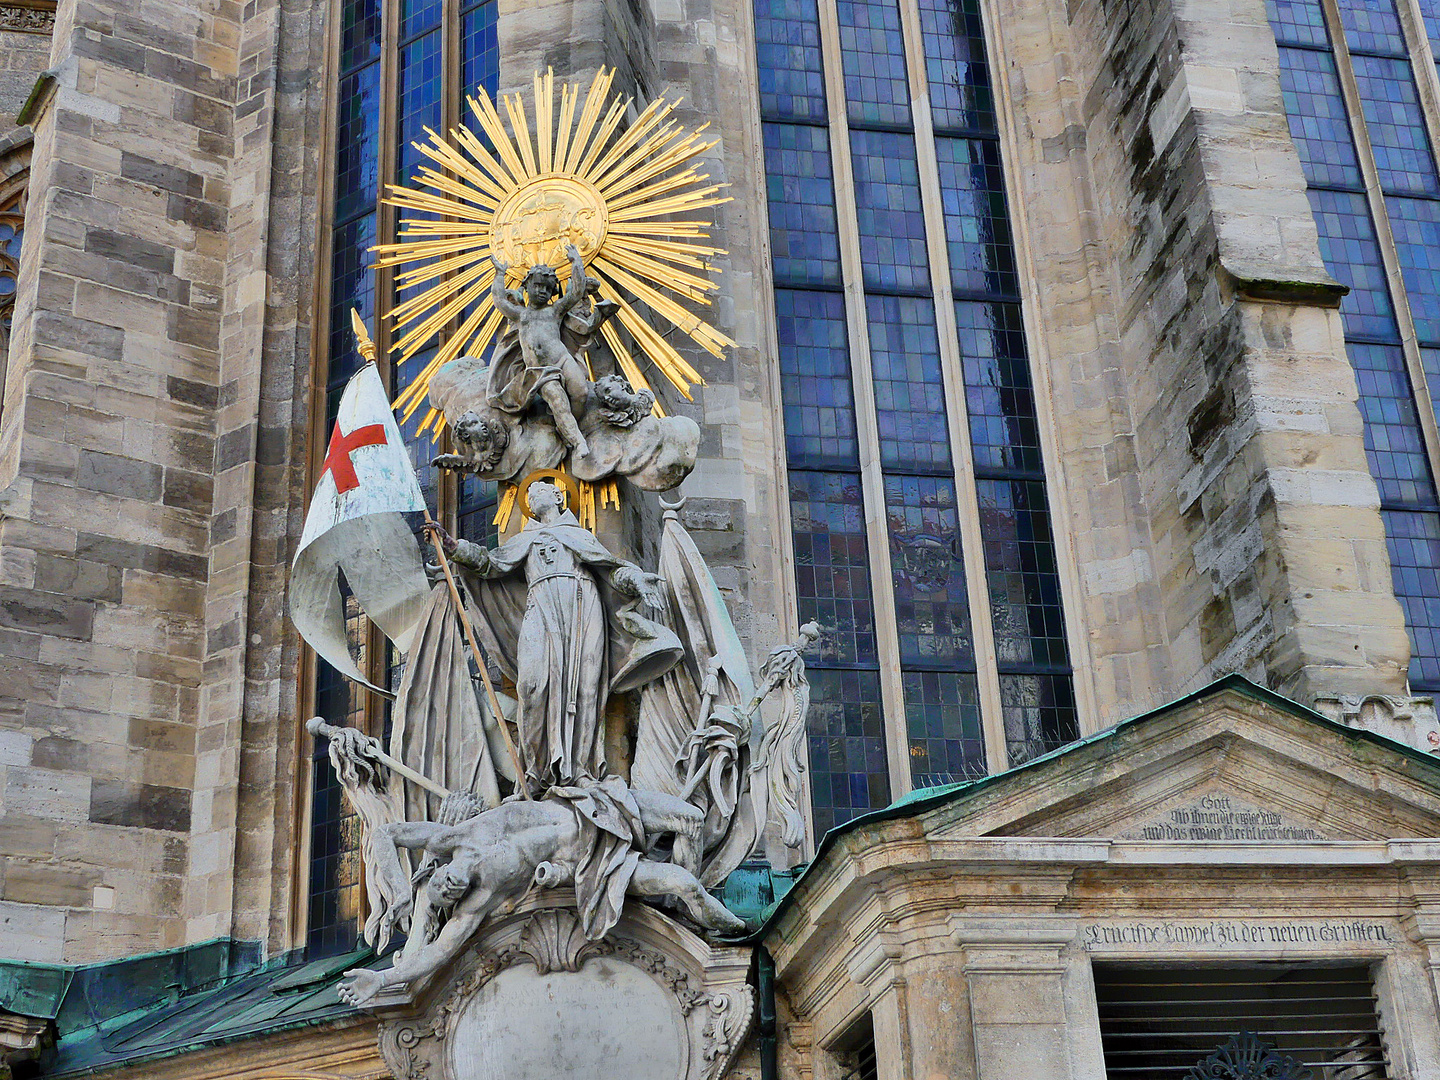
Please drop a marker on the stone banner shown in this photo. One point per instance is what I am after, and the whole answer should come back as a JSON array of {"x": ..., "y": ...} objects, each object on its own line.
[{"x": 1244, "y": 934}]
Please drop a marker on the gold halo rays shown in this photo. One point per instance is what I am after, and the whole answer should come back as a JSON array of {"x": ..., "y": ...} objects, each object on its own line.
[{"x": 624, "y": 198}]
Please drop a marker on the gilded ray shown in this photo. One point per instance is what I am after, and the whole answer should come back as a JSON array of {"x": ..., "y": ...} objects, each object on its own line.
[{"x": 530, "y": 178}]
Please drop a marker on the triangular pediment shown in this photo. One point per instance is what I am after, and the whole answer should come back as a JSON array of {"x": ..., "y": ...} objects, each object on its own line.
[{"x": 1233, "y": 763}]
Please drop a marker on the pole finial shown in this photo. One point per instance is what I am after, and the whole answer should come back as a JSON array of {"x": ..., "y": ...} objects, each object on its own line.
[{"x": 362, "y": 336}]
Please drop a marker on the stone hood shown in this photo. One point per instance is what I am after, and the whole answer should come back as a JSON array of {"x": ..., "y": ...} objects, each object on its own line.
[{"x": 1231, "y": 775}]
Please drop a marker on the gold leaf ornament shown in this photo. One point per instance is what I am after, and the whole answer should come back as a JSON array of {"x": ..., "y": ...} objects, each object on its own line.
[{"x": 622, "y": 197}]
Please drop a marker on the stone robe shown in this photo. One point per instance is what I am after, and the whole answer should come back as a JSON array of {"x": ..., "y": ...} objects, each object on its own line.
[{"x": 554, "y": 622}]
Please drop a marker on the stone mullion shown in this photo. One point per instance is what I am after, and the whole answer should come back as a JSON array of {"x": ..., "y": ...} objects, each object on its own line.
[
  {"x": 872, "y": 480},
  {"x": 1375, "y": 199},
  {"x": 1037, "y": 342},
  {"x": 987, "y": 672},
  {"x": 447, "y": 490}
]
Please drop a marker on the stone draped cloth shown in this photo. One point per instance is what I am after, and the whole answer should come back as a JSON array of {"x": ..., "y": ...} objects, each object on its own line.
[
  {"x": 553, "y": 621},
  {"x": 612, "y": 838}
]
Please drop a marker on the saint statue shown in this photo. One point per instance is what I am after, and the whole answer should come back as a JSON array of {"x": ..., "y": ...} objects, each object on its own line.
[{"x": 560, "y": 616}]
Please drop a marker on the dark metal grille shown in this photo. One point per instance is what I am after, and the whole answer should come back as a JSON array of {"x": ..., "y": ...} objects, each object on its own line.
[
  {"x": 1159, "y": 1023},
  {"x": 856, "y": 1052}
]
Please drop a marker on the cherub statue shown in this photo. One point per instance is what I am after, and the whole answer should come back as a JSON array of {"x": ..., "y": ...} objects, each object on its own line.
[{"x": 550, "y": 368}]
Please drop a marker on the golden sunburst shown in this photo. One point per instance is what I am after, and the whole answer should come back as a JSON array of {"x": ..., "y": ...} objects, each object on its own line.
[{"x": 575, "y": 180}]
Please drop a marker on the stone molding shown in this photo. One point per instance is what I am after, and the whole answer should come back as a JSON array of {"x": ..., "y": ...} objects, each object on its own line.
[
  {"x": 27, "y": 19},
  {"x": 1407, "y": 719},
  {"x": 718, "y": 1007},
  {"x": 21, "y": 1039}
]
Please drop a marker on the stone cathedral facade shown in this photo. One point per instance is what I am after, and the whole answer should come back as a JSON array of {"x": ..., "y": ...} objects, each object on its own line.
[{"x": 1079, "y": 392}]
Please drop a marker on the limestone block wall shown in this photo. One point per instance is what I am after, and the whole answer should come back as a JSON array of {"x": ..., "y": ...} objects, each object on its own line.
[
  {"x": 24, "y": 53},
  {"x": 1213, "y": 479},
  {"x": 149, "y": 480}
]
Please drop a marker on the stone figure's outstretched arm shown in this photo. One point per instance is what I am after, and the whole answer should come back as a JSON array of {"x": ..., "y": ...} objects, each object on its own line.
[
  {"x": 575, "y": 287},
  {"x": 501, "y": 295},
  {"x": 361, "y": 985},
  {"x": 475, "y": 558},
  {"x": 629, "y": 579}
]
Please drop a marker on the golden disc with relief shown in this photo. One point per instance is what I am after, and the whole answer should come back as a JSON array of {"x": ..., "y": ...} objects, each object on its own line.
[{"x": 536, "y": 223}]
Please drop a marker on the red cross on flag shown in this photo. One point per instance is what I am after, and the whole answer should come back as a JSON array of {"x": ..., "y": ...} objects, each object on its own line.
[{"x": 354, "y": 525}]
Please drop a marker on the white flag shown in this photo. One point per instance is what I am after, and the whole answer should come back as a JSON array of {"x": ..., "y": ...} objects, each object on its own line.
[{"x": 354, "y": 524}]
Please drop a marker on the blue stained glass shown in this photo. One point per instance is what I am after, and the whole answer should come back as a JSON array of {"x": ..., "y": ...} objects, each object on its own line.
[
  {"x": 846, "y": 732},
  {"x": 1318, "y": 120},
  {"x": 421, "y": 448},
  {"x": 1004, "y": 432},
  {"x": 352, "y": 285},
  {"x": 477, "y": 511},
  {"x": 1352, "y": 254},
  {"x": 872, "y": 49},
  {"x": 942, "y": 725},
  {"x": 801, "y": 193},
  {"x": 1396, "y": 127},
  {"x": 787, "y": 46},
  {"x": 1298, "y": 22},
  {"x": 357, "y": 143},
  {"x": 421, "y": 104},
  {"x": 359, "y": 33},
  {"x": 909, "y": 389},
  {"x": 832, "y": 563},
  {"x": 815, "y": 385},
  {"x": 1039, "y": 714},
  {"x": 417, "y": 16},
  {"x": 932, "y": 611},
  {"x": 1393, "y": 440},
  {"x": 1021, "y": 573},
  {"x": 479, "y": 54},
  {"x": 1414, "y": 542},
  {"x": 887, "y": 204},
  {"x": 1372, "y": 26},
  {"x": 1415, "y": 224},
  {"x": 959, "y": 78},
  {"x": 977, "y": 225},
  {"x": 1430, "y": 12}
]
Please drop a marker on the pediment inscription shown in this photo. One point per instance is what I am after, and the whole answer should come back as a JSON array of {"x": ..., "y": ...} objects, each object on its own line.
[{"x": 1219, "y": 815}]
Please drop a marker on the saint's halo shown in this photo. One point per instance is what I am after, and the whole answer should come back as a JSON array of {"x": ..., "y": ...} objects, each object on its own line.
[{"x": 625, "y": 198}]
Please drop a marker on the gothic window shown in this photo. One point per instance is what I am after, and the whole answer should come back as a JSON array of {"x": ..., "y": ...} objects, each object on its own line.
[
  {"x": 1355, "y": 96},
  {"x": 403, "y": 65},
  {"x": 912, "y": 404},
  {"x": 12, "y": 234},
  {"x": 14, "y": 185}
]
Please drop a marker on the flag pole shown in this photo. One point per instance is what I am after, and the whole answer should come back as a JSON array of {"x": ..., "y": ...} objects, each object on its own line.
[
  {"x": 367, "y": 351},
  {"x": 432, "y": 529}
]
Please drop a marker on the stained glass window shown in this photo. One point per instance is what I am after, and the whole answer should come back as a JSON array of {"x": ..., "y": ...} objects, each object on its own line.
[
  {"x": 787, "y": 42},
  {"x": 928, "y": 669},
  {"x": 1387, "y": 108},
  {"x": 426, "y": 78},
  {"x": 873, "y": 51}
]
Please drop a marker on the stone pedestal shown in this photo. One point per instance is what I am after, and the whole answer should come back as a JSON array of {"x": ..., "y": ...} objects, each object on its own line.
[{"x": 532, "y": 999}]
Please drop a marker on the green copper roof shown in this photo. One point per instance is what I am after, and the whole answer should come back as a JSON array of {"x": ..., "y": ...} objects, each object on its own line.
[
  {"x": 162, "y": 1004},
  {"x": 923, "y": 799}
]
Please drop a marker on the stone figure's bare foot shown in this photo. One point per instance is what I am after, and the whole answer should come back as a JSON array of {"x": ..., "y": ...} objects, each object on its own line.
[{"x": 451, "y": 461}]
